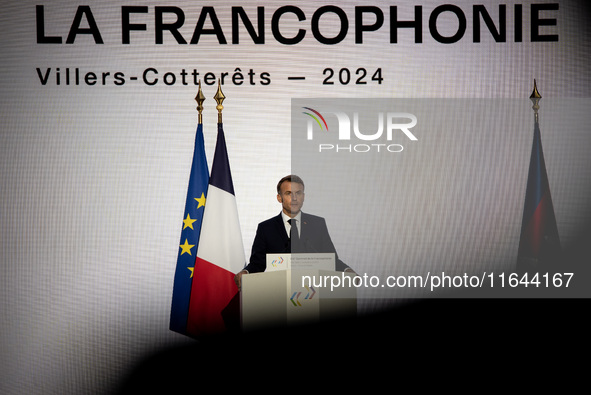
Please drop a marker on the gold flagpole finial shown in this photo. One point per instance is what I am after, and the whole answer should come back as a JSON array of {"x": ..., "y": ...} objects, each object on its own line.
[
  {"x": 535, "y": 94},
  {"x": 200, "y": 98},
  {"x": 535, "y": 98},
  {"x": 219, "y": 98}
]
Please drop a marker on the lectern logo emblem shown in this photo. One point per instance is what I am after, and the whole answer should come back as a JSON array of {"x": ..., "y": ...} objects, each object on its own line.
[
  {"x": 295, "y": 298},
  {"x": 277, "y": 262}
]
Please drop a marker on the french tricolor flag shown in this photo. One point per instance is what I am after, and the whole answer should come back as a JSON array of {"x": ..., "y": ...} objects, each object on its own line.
[
  {"x": 539, "y": 245},
  {"x": 214, "y": 306}
]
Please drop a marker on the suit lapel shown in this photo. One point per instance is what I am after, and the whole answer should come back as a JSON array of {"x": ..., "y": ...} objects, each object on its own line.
[
  {"x": 304, "y": 226},
  {"x": 281, "y": 228}
]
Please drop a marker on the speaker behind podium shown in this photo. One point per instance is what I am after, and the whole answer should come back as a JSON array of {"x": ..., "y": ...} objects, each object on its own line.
[{"x": 296, "y": 289}]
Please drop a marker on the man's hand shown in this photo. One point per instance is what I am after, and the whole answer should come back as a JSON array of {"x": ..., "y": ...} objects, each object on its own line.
[{"x": 238, "y": 278}]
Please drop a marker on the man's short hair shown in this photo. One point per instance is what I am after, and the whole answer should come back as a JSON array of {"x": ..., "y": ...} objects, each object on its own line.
[{"x": 290, "y": 178}]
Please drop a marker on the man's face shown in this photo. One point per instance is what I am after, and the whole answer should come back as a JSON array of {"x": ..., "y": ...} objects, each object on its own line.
[{"x": 291, "y": 197}]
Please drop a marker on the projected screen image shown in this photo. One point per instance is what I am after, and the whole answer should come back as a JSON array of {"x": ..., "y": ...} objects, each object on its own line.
[{"x": 444, "y": 145}]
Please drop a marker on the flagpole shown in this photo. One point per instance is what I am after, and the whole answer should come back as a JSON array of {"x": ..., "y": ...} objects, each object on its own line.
[
  {"x": 200, "y": 98},
  {"x": 539, "y": 243},
  {"x": 191, "y": 229},
  {"x": 535, "y": 98},
  {"x": 214, "y": 301},
  {"x": 219, "y": 98}
]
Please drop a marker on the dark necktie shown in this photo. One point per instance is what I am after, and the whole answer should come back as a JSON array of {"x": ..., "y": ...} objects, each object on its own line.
[{"x": 294, "y": 229}]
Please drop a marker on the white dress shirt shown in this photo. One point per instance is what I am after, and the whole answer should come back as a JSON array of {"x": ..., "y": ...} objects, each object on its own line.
[{"x": 298, "y": 219}]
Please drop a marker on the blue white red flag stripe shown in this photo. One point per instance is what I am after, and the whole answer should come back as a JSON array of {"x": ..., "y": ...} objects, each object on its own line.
[
  {"x": 213, "y": 307},
  {"x": 539, "y": 243}
]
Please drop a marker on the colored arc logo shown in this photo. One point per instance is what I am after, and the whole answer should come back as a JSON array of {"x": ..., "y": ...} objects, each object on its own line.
[
  {"x": 295, "y": 298},
  {"x": 277, "y": 262},
  {"x": 316, "y": 116}
]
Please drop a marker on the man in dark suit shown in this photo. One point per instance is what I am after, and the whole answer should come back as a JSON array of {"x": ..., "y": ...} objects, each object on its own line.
[{"x": 290, "y": 231}]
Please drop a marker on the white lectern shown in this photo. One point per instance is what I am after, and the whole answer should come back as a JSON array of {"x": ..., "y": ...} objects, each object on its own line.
[{"x": 296, "y": 289}]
